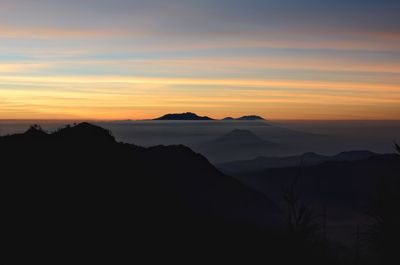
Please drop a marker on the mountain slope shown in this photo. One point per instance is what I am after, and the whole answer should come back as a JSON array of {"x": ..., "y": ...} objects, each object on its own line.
[
  {"x": 238, "y": 136},
  {"x": 235, "y": 144},
  {"x": 343, "y": 184},
  {"x": 79, "y": 187},
  {"x": 346, "y": 191},
  {"x": 306, "y": 159}
]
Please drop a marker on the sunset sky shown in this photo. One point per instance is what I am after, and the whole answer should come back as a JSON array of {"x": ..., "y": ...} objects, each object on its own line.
[{"x": 131, "y": 59}]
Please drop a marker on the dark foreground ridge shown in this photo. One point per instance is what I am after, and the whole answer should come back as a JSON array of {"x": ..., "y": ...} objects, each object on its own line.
[
  {"x": 77, "y": 196},
  {"x": 188, "y": 116},
  {"x": 78, "y": 191}
]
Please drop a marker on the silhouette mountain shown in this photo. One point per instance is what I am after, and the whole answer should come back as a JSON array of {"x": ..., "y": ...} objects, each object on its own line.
[
  {"x": 244, "y": 118},
  {"x": 239, "y": 136},
  {"x": 353, "y": 156},
  {"x": 306, "y": 159},
  {"x": 250, "y": 118},
  {"x": 235, "y": 144},
  {"x": 78, "y": 190},
  {"x": 77, "y": 196},
  {"x": 188, "y": 116}
]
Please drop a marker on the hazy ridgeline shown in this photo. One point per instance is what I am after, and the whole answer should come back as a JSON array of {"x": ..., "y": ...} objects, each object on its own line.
[{"x": 207, "y": 137}]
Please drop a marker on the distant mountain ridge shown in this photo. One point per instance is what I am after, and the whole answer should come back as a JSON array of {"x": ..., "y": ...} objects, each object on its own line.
[
  {"x": 332, "y": 181},
  {"x": 245, "y": 118},
  {"x": 306, "y": 159},
  {"x": 234, "y": 144},
  {"x": 250, "y": 118},
  {"x": 239, "y": 136},
  {"x": 188, "y": 116}
]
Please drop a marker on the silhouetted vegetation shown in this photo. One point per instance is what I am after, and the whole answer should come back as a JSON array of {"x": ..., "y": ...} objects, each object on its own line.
[
  {"x": 301, "y": 219},
  {"x": 397, "y": 147},
  {"x": 302, "y": 227}
]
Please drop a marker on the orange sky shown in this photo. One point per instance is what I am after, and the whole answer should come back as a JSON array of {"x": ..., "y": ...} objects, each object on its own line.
[
  {"x": 139, "y": 98},
  {"x": 137, "y": 60}
]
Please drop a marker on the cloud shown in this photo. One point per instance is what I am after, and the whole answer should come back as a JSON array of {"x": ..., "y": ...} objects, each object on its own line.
[
  {"x": 84, "y": 58},
  {"x": 21, "y": 67},
  {"x": 29, "y": 32},
  {"x": 117, "y": 100},
  {"x": 251, "y": 83}
]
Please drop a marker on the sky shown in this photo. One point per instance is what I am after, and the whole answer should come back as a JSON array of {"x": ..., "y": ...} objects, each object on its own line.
[{"x": 120, "y": 59}]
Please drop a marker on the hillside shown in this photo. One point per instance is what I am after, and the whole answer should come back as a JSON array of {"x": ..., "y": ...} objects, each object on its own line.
[
  {"x": 346, "y": 188},
  {"x": 236, "y": 144},
  {"x": 78, "y": 186},
  {"x": 306, "y": 159}
]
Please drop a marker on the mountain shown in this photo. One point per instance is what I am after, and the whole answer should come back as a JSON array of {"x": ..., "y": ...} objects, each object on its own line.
[
  {"x": 188, "y": 116},
  {"x": 244, "y": 118},
  {"x": 344, "y": 188},
  {"x": 343, "y": 178},
  {"x": 235, "y": 144},
  {"x": 250, "y": 118},
  {"x": 77, "y": 196},
  {"x": 79, "y": 190},
  {"x": 238, "y": 136},
  {"x": 353, "y": 156},
  {"x": 306, "y": 159}
]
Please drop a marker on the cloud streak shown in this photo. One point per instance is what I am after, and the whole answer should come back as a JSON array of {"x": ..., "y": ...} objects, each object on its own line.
[
  {"x": 117, "y": 97},
  {"x": 131, "y": 58}
]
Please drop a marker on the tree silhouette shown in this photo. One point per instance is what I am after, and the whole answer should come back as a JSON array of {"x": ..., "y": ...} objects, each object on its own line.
[
  {"x": 397, "y": 147},
  {"x": 304, "y": 242},
  {"x": 300, "y": 217}
]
